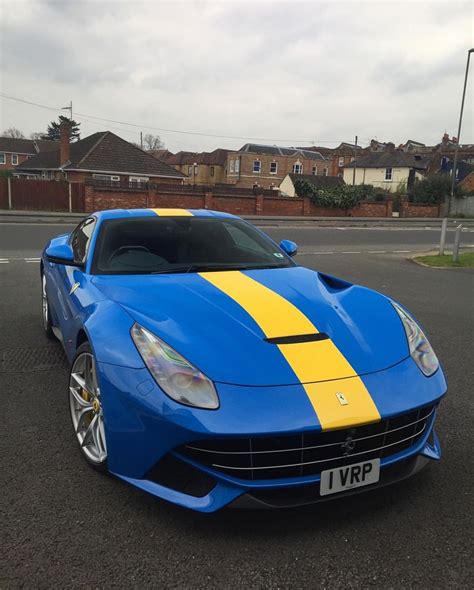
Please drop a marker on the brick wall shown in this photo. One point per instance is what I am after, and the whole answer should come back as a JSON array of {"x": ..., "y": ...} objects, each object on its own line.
[
  {"x": 414, "y": 210},
  {"x": 223, "y": 200}
]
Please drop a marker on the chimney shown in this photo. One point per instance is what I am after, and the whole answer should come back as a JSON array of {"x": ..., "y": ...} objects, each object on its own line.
[{"x": 64, "y": 147}]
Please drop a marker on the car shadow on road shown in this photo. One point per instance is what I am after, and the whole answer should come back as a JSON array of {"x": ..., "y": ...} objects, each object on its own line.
[{"x": 346, "y": 512}]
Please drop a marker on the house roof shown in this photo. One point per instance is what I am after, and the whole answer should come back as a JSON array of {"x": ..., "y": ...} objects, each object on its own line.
[
  {"x": 275, "y": 150},
  {"x": 395, "y": 159},
  {"x": 103, "y": 152},
  {"x": 26, "y": 146},
  {"x": 318, "y": 181},
  {"x": 217, "y": 157}
]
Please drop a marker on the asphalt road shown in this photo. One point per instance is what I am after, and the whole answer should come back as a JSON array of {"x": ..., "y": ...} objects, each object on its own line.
[{"x": 64, "y": 525}]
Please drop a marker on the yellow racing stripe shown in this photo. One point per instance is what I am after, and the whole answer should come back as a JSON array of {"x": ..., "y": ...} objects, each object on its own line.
[
  {"x": 172, "y": 212},
  {"x": 320, "y": 366}
]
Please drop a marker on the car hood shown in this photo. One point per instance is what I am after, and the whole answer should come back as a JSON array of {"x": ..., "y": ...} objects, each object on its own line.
[{"x": 236, "y": 326}]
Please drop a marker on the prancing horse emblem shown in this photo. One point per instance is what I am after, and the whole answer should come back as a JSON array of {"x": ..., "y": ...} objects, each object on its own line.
[
  {"x": 342, "y": 399},
  {"x": 348, "y": 446}
]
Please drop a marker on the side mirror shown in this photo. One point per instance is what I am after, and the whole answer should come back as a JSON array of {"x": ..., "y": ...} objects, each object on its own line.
[
  {"x": 62, "y": 254},
  {"x": 289, "y": 247}
]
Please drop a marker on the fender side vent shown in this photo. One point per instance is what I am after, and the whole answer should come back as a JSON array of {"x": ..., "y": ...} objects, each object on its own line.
[{"x": 297, "y": 339}]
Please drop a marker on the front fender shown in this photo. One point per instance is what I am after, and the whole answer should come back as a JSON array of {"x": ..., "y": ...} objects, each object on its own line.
[{"x": 107, "y": 326}]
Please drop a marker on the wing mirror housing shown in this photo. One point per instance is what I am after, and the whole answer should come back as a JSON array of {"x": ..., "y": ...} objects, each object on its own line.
[
  {"x": 289, "y": 247},
  {"x": 62, "y": 254}
]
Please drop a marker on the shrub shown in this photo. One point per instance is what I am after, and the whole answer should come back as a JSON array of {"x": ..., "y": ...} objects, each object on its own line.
[
  {"x": 433, "y": 189},
  {"x": 338, "y": 197}
]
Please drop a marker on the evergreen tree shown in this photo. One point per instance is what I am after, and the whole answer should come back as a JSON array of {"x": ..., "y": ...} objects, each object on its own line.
[{"x": 53, "y": 131}]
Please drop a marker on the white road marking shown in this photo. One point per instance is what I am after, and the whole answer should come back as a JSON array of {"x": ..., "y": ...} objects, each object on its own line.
[
  {"x": 4, "y": 261},
  {"x": 352, "y": 252},
  {"x": 402, "y": 251},
  {"x": 376, "y": 251}
]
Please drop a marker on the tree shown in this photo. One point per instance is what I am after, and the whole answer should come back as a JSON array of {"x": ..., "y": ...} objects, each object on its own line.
[
  {"x": 13, "y": 132},
  {"x": 152, "y": 142},
  {"x": 53, "y": 132}
]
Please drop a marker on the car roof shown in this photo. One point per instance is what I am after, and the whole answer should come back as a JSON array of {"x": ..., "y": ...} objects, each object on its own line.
[{"x": 165, "y": 212}]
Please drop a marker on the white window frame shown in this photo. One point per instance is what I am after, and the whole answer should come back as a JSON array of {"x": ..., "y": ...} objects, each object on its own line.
[
  {"x": 232, "y": 166},
  {"x": 297, "y": 168},
  {"x": 275, "y": 164},
  {"x": 341, "y": 161},
  {"x": 257, "y": 167},
  {"x": 388, "y": 174},
  {"x": 237, "y": 166},
  {"x": 325, "y": 171},
  {"x": 109, "y": 177},
  {"x": 14, "y": 158},
  {"x": 138, "y": 179},
  {"x": 3, "y": 158},
  {"x": 315, "y": 170}
]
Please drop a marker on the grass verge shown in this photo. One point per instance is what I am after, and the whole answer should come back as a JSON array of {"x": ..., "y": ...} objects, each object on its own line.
[{"x": 466, "y": 260}]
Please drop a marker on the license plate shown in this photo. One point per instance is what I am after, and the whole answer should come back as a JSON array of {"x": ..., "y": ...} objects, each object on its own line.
[{"x": 349, "y": 477}]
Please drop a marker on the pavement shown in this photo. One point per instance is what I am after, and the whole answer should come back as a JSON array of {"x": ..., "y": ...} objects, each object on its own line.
[{"x": 64, "y": 525}]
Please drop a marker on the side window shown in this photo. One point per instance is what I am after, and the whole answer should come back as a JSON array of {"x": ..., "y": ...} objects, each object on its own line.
[{"x": 80, "y": 239}]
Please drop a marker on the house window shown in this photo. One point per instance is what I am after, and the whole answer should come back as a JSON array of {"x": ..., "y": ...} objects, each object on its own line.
[
  {"x": 211, "y": 171},
  {"x": 190, "y": 170},
  {"x": 106, "y": 177},
  {"x": 237, "y": 166},
  {"x": 273, "y": 167},
  {"x": 325, "y": 172},
  {"x": 195, "y": 169},
  {"x": 297, "y": 168},
  {"x": 2, "y": 158},
  {"x": 388, "y": 174},
  {"x": 14, "y": 159},
  {"x": 352, "y": 158},
  {"x": 232, "y": 166},
  {"x": 341, "y": 161},
  {"x": 137, "y": 180},
  {"x": 315, "y": 171},
  {"x": 257, "y": 166}
]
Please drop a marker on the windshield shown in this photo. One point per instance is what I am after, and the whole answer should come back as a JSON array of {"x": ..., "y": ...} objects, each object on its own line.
[{"x": 152, "y": 245}]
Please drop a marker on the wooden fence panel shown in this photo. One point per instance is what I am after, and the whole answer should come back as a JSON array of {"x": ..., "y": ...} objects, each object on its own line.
[
  {"x": 3, "y": 193},
  {"x": 39, "y": 195}
]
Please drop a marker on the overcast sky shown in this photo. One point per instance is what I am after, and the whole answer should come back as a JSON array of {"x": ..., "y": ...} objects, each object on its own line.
[{"x": 276, "y": 72}]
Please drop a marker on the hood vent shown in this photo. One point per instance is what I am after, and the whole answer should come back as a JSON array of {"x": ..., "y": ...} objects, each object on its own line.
[
  {"x": 334, "y": 283},
  {"x": 297, "y": 339}
]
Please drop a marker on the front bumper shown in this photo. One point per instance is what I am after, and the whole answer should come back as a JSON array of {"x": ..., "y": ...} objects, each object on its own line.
[{"x": 144, "y": 427}]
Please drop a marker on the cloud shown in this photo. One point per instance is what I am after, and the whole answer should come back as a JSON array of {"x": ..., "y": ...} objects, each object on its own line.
[{"x": 301, "y": 71}]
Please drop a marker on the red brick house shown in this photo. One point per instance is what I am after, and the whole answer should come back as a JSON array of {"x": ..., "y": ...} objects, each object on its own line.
[
  {"x": 15, "y": 151},
  {"x": 104, "y": 157}
]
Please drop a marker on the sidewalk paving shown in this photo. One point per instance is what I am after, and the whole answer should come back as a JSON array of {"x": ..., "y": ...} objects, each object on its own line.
[{"x": 11, "y": 216}]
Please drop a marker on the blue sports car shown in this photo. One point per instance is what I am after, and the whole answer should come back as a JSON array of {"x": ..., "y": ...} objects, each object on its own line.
[{"x": 209, "y": 369}]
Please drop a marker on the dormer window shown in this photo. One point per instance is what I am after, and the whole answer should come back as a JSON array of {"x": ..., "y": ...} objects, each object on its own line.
[{"x": 298, "y": 168}]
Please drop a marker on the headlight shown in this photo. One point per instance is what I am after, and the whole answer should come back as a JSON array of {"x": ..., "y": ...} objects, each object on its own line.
[
  {"x": 176, "y": 377},
  {"x": 420, "y": 348}
]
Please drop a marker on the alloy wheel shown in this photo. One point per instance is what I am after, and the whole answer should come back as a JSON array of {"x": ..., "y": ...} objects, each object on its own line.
[{"x": 86, "y": 408}]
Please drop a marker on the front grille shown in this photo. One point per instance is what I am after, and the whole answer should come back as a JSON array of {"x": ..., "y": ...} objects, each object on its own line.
[{"x": 312, "y": 452}]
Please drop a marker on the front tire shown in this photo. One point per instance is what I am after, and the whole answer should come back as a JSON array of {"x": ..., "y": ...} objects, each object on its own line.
[
  {"x": 86, "y": 409},
  {"x": 46, "y": 313}
]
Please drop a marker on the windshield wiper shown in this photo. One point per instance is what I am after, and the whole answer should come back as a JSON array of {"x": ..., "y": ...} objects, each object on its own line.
[{"x": 214, "y": 267}]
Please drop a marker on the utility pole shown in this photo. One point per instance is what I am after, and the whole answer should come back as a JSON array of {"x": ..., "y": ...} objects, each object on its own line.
[
  {"x": 68, "y": 108},
  {"x": 456, "y": 147},
  {"x": 355, "y": 159}
]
